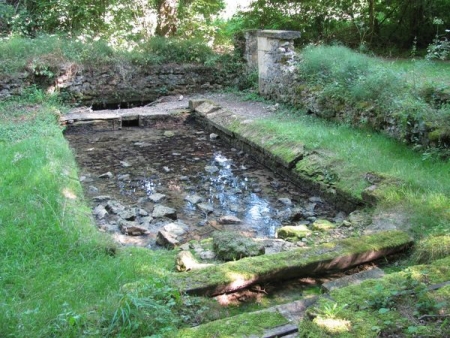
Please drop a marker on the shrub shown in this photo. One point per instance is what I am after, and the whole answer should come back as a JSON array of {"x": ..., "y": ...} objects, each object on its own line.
[
  {"x": 167, "y": 50},
  {"x": 440, "y": 47}
]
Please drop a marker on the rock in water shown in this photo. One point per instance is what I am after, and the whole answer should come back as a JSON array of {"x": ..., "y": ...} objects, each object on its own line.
[
  {"x": 162, "y": 211},
  {"x": 231, "y": 246},
  {"x": 166, "y": 240},
  {"x": 100, "y": 211},
  {"x": 194, "y": 199},
  {"x": 206, "y": 208},
  {"x": 132, "y": 229},
  {"x": 157, "y": 197},
  {"x": 293, "y": 232}
]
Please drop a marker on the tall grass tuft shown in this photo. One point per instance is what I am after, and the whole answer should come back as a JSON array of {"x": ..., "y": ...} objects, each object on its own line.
[{"x": 431, "y": 248}]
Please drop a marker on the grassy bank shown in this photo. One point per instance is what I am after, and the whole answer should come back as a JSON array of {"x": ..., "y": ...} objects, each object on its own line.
[
  {"x": 46, "y": 53},
  {"x": 408, "y": 100},
  {"x": 344, "y": 157},
  {"x": 413, "y": 193},
  {"x": 58, "y": 275}
]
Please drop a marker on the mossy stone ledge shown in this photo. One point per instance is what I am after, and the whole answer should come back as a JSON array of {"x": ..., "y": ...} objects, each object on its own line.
[{"x": 321, "y": 259}]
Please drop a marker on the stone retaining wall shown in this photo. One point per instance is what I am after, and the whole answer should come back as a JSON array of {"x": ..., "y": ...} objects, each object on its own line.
[{"x": 114, "y": 84}]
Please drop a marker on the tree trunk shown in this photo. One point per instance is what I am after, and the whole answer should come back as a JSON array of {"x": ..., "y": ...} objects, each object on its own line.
[
  {"x": 371, "y": 20},
  {"x": 167, "y": 18}
]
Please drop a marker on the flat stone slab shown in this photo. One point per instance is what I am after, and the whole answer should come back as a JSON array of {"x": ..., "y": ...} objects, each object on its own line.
[
  {"x": 279, "y": 34},
  {"x": 324, "y": 258},
  {"x": 86, "y": 114},
  {"x": 354, "y": 279}
]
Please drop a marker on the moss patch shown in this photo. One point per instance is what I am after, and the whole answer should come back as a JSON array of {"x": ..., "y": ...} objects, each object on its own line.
[
  {"x": 239, "y": 326},
  {"x": 230, "y": 246},
  {"x": 293, "y": 232},
  {"x": 323, "y": 225},
  {"x": 388, "y": 306}
]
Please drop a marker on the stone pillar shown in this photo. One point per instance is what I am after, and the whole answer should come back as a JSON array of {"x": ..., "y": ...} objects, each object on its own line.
[
  {"x": 275, "y": 59},
  {"x": 251, "y": 48}
]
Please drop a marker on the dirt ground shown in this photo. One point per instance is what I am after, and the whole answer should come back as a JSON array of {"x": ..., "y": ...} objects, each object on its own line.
[{"x": 231, "y": 101}]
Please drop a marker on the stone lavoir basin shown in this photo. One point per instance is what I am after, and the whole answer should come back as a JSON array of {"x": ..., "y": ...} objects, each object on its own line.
[
  {"x": 159, "y": 180},
  {"x": 176, "y": 179}
]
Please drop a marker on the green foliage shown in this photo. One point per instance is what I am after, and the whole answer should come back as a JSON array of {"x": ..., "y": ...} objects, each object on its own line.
[
  {"x": 332, "y": 311},
  {"x": 122, "y": 23},
  {"x": 361, "y": 24},
  {"x": 166, "y": 50},
  {"x": 440, "y": 47},
  {"x": 44, "y": 54},
  {"x": 384, "y": 298},
  {"x": 196, "y": 19}
]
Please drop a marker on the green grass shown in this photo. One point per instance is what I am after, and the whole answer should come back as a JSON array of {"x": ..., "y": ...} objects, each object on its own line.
[
  {"x": 422, "y": 71},
  {"x": 58, "y": 275},
  {"x": 348, "y": 155}
]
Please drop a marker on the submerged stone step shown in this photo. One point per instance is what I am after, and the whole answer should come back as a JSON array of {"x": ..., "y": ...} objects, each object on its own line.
[{"x": 324, "y": 258}]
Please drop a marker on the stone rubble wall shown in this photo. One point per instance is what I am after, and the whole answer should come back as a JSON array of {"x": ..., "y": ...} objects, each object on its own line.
[{"x": 115, "y": 84}]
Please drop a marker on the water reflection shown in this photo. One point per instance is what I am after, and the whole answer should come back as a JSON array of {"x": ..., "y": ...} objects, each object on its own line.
[{"x": 229, "y": 192}]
